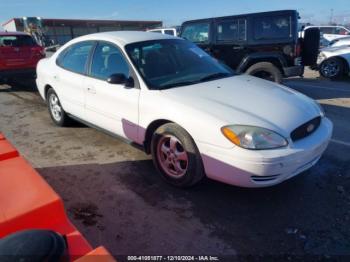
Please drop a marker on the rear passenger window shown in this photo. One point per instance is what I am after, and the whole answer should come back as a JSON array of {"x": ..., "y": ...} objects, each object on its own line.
[
  {"x": 169, "y": 32},
  {"x": 234, "y": 30},
  {"x": 341, "y": 31},
  {"x": 327, "y": 30},
  {"x": 272, "y": 27},
  {"x": 197, "y": 33},
  {"x": 75, "y": 58},
  {"x": 108, "y": 60}
]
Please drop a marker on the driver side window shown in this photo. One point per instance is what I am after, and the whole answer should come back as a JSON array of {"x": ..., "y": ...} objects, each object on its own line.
[{"x": 108, "y": 60}]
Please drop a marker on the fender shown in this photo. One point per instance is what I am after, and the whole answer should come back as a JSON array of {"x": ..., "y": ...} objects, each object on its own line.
[{"x": 261, "y": 56}]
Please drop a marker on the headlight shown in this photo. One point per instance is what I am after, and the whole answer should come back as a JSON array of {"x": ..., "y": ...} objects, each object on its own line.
[
  {"x": 320, "y": 58},
  {"x": 254, "y": 138},
  {"x": 322, "y": 112}
]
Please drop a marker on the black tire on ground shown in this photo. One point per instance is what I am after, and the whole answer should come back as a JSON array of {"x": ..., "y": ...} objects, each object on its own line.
[
  {"x": 332, "y": 68},
  {"x": 265, "y": 70},
  {"x": 33, "y": 245},
  {"x": 195, "y": 171},
  {"x": 64, "y": 120},
  {"x": 310, "y": 46}
]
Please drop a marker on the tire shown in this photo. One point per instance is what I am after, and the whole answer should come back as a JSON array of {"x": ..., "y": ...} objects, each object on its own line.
[
  {"x": 263, "y": 69},
  {"x": 187, "y": 169},
  {"x": 310, "y": 46},
  {"x": 58, "y": 115},
  {"x": 332, "y": 68}
]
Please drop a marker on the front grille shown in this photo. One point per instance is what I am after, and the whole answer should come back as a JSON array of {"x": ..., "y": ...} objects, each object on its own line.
[
  {"x": 262, "y": 179},
  {"x": 306, "y": 129}
]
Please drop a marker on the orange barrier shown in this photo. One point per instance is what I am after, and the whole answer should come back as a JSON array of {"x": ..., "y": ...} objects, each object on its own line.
[
  {"x": 7, "y": 150},
  {"x": 28, "y": 202},
  {"x": 98, "y": 255}
]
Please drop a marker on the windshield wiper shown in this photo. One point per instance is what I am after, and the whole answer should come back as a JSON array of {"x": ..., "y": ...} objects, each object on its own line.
[
  {"x": 204, "y": 79},
  {"x": 214, "y": 76},
  {"x": 184, "y": 83}
]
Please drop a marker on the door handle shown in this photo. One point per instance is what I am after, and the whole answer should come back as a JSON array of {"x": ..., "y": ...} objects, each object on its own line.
[
  {"x": 238, "y": 47},
  {"x": 208, "y": 50},
  {"x": 91, "y": 89}
]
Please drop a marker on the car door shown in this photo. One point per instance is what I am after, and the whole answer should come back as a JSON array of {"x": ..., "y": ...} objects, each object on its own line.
[
  {"x": 112, "y": 107},
  {"x": 70, "y": 75},
  {"x": 230, "y": 41}
]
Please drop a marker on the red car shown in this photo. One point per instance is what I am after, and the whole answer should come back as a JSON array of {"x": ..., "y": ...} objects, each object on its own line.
[{"x": 19, "y": 55}]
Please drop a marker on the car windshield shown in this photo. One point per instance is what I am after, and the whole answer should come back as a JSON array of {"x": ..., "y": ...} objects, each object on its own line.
[{"x": 174, "y": 62}]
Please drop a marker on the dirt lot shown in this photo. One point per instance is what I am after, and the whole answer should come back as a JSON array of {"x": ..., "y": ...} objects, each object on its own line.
[{"x": 131, "y": 211}]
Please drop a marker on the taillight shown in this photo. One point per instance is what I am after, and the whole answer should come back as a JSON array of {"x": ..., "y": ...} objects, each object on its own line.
[
  {"x": 297, "y": 50},
  {"x": 39, "y": 51}
]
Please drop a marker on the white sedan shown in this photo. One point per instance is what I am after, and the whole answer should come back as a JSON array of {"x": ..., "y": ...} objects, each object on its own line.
[{"x": 194, "y": 115}]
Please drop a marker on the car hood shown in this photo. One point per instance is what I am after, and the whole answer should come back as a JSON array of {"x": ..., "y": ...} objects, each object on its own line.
[
  {"x": 247, "y": 100},
  {"x": 336, "y": 49}
]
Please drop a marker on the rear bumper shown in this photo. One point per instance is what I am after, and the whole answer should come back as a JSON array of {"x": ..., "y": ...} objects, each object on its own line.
[
  {"x": 18, "y": 73},
  {"x": 293, "y": 71}
]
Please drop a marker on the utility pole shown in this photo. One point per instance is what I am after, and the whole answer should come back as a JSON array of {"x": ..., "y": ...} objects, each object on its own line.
[{"x": 331, "y": 18}]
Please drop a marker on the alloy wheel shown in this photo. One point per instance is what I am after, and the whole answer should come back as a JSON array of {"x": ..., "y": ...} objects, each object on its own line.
[
  {"x": 172, "y": 157},
  {"x": 330, "y": 68},
  {"x": 55, "y": 107}
]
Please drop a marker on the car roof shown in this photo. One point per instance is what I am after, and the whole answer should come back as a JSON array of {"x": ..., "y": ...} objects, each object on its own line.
[
  {"x": 4, "y": 33},
  {"x": 325, "y": 26},
  {"x": 166, "y": 28},
  {"x": 125, "y": 37},
  {"x": 269, "y": 13}
]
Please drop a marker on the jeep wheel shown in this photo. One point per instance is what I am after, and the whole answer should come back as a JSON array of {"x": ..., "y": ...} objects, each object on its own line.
[
  {"x": 265, "y": 70},
  {"x": 332, "y": 68},
  {"x": 310, "y": 45}
]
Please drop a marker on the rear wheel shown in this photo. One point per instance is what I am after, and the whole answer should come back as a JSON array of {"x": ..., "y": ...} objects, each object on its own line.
[
  {"x": 58, "y": 115},
  {"x": 332, "y": 68},
  {"x": 265, "y": 70},
  {"x": 176, "y": 156}
]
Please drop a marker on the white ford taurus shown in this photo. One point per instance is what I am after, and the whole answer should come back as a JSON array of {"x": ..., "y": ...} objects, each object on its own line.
[{"x": 194, "y": 115}]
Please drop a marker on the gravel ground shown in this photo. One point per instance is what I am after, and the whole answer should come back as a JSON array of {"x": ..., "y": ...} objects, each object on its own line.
[{"x": 114, "y": 196}]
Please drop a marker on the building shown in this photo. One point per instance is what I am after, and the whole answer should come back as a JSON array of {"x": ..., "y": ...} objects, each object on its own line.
[{"x": 63, "y": 30}]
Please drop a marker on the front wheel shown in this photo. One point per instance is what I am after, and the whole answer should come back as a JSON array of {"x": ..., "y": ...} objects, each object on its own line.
[
  {"x": 58, "y": 115},
  {"x": 265, "y": 70},
  {"x": 332, "y": 68},
  {"x": 176, "y": 156}
]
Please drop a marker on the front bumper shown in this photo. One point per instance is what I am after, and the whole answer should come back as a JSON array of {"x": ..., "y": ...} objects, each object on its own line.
[
  {"x": 18, "y": 73},
  {"x": 247, "y": 168}
]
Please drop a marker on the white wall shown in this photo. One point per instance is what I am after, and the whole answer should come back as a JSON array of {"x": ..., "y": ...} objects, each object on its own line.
[{"x": 11, "y": 26}]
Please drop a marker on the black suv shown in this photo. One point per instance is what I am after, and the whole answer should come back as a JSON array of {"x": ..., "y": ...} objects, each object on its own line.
[{"x": 265, "y": 45}]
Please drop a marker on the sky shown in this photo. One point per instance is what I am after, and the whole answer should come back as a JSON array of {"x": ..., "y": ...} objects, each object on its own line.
[{"x": 171, "y": 12}]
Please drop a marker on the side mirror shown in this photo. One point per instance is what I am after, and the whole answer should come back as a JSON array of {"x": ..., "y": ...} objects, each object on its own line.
[{"x": 118, "y": 79}]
